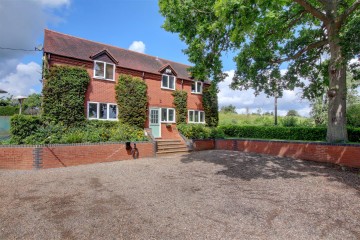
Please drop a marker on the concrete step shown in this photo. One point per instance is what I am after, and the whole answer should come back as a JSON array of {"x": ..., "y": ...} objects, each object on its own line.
[
  {"x": 170, "y": 147},
  {"x": 172, "y": 152}
]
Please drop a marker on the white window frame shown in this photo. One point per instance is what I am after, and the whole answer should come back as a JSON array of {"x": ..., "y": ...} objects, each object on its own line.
[
  {"x": 167, "y": 115},
  {"x": 98, "y": 111},
  {"x": 197, "y": 91},
  {"x": 103, "y": 77},
  {"x": 194, "y": 116},
  {"x": 168, "y": 81}
]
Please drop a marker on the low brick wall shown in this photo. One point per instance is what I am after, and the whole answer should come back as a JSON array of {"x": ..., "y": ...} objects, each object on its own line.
[
  {"x": 341, "y": 154},
  {"x": 64, "y": 155}
]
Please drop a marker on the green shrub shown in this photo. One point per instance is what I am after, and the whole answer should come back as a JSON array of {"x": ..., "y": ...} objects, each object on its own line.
[
  {"x": 64, "y": 95},
  {"x": 210, "y": 103},
  {"x": 289, "y": 121},
  {"x": 285, "y": 133},
  {"x": 194, "y": 131},
  {"x": 132, "y": 100},
  {"x": 353, "y": 115},
  {"x": 9, "y": 110},
  {"x": 126, "y": 132},
  {"x": 23, "y": 126},
  {"x": 180, "y": 102},
  {"x": 354, "y": 134},
  {"x": 217, "y": 133}
]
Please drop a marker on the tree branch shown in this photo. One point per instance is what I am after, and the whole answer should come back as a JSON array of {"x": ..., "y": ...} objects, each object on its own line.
[
  {"x": 300, "y": 52},
  {"x": 348, "y": 12},
  {"x": 312, "y": 10}
]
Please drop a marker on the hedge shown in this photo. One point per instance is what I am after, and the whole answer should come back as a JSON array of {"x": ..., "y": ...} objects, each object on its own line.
[
  {"x": 284, "y": 133},
  {"x": 9, "y": 110},
  {"x": 200, "y": 131}
]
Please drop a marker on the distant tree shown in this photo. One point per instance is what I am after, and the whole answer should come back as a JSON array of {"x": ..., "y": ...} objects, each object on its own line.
[
  {"x": 293, "y": 113},
  {"x": 353, "y": 115},
  {"x": 228, "y": 109},
  {"x": 33, "y": 104}
]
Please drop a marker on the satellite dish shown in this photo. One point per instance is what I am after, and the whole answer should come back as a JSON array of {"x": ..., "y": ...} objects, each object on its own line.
[{"x": 39, "y": 47}]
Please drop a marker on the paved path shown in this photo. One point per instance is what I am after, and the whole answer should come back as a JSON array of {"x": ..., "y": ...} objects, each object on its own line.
[{"x": 203, "y": 195}]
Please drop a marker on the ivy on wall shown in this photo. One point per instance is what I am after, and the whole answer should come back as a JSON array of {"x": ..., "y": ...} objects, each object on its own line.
[
  {"x": 132, "y": 100},
  {"x": 64, "y": 94},
  {"x": 210, "y": 103},
  {"x": 180, "y": 102}
]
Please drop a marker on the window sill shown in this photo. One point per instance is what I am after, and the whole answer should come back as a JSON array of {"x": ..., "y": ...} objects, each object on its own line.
[
  {"x": 196, "y": 93},
  {"x": 104, "y": 79},
  {"x": 115, "y": 119},
  {"x": 197, "y": 122},
  {"x": 171, "y": 89}
]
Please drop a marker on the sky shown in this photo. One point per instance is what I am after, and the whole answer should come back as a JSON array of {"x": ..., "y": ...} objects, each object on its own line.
[{"x": 130, "y": 24}]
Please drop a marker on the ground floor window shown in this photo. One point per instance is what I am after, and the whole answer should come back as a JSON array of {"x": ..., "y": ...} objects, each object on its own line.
[
  {"x": 196, "y": 116},
  {"x": 102, "y": 111},
  {"x": 168, "y": 115}
]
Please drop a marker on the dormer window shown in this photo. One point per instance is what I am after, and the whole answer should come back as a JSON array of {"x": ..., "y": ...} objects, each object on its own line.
[
  {"x": 197, "y": 87},
  {"x": 168, "y": 82},
  {"x": 104, "y": 70}
]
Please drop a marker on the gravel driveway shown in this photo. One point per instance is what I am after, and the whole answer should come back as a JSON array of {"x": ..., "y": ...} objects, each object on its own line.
[{"x": 203, "y": 195}]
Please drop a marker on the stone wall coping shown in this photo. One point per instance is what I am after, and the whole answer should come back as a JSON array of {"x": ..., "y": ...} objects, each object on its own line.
[{"x": 284, "y": 141}]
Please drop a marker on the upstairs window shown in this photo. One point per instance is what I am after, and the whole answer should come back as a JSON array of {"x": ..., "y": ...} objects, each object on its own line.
[
  {"x": 104, "y": 70},
  {"x": 197, "y": 87},
  {"x": 168, "y": 115},
  {"x": 168, "y": 82},
  {"x": 196, "y": 116}
]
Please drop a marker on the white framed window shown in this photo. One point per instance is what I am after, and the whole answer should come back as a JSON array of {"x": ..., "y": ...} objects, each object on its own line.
[
  {"x": 104, "y": 70},
  {"x": 102, "y": 111},
  {"x": 168, "y": 82},
  {"x": 168, "y": 115},
  {"x": 197, "y": 87},
  {"x": 196, "y": 116}
]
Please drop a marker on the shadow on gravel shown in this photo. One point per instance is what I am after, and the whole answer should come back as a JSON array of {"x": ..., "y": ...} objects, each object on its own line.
[{"x": 248, "y": 166}]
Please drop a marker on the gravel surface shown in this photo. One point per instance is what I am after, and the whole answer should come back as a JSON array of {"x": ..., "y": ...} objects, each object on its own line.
[{"x": 202, "y": 195}]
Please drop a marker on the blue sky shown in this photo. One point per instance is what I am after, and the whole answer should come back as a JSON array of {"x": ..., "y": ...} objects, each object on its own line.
[{"x": 122, "y": 23}]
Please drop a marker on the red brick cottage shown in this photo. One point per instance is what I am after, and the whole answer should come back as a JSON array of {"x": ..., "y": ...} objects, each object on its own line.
[{"x": 104, "y": 63}]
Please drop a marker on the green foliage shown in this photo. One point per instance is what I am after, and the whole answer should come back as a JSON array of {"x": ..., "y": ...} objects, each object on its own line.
[
  {"x": 210, "y": 103},
  {"x": 199, "y": 131},
  {"x": 354, "y": 134},
  {"x": 353, "y": 115},
  {"x": 64, "y": 94},
  {"x": 9, "y": 110},
  {"x": 33, "y": 130},
  {"x": 285, "y": 133},
  {"x": 289, "y": 121},
  {"x": 132, "y": 100},
  {"x": 33, "y": 101},
  {"x": 22, "y": 126},
  {"x": 228, "y": 109},
  {"x": 180, "y": 102},
  {"x": 292, "y": 113}
]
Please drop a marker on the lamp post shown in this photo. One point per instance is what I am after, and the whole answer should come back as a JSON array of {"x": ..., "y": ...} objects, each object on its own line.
[{"x": 21, "y": 100}]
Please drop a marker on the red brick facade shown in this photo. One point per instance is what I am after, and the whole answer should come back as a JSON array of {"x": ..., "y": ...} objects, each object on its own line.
[
  {"x": 345, "y": 154},
  {"x": 104, "y": 90}
]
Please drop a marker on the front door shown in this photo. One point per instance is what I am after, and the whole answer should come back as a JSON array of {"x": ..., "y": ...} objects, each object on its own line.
[{"x": 154, "y": 122}]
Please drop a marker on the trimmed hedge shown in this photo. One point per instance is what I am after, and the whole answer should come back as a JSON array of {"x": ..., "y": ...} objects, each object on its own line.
[
  {"x": 199, "y": 131},
  {"x": 284, "y": 133},
  {"x": 22, "y": 126},
  {"x": 8, "y": 110}
]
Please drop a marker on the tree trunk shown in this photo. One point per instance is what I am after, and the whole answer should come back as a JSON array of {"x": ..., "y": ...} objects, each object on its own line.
[{"x": 336, "y": 131}]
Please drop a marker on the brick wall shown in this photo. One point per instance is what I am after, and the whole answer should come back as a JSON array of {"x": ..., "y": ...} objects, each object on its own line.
[
  {"x": 53, "y": 156},
  {"x": 342, "y": 154},
  {"x": 14, "y": 157}
]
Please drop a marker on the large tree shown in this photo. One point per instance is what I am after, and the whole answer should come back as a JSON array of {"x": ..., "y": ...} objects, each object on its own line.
[{"x": 266, "y": 36}]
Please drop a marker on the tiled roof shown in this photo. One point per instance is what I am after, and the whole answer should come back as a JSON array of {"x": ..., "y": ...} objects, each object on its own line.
[{"x": 78, "y": 48}]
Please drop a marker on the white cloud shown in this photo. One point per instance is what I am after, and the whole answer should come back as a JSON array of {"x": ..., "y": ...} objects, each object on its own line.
[
  {"x": 137, "y": 46},
  {"x": 22, "y": 24},
  {"x": 23, "y": 81},
  {"x": 246, "y": 99}
]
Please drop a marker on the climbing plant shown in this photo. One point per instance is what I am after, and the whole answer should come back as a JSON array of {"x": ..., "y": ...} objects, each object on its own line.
[
  {"x": 180, "y": 102},
  {"x": 64, "y": 94},
  {"x": 132, "y": 100},
  {"x": 210, "y": 103}
]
